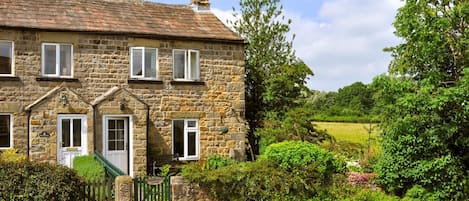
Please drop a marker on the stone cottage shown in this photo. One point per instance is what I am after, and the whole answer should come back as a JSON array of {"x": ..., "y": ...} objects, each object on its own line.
[{"x": 129, "y": 79}]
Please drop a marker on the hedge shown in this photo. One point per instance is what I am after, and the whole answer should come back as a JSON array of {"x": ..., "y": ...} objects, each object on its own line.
[{"x": 38, "y": 182}]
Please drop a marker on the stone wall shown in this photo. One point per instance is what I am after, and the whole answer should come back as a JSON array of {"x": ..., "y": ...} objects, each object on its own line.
[
  {"x": 182, "y": 190},
  {"x": 101, "y": 62}
]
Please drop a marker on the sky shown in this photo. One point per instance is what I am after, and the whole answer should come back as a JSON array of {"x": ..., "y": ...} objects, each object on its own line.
[{"x": 342, "y": 41}]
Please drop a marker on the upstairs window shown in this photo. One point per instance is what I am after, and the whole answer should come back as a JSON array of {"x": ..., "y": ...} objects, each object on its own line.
[
  {"x": 186, "y": 139},
  {"x": 57, "y": 60},
  {"x": 6, "y": 58},
  {"x": 144, "y": 63},
  {"x": 6, "y": 131},
  {"x": 186, "y": 65}
]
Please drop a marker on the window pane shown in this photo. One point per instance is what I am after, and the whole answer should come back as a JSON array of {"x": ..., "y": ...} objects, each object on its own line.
[
  {"x": 179, "y": 61},
  {"x": 77, "y": 132},
  {"x": 194, "y": 65},
  {"x": 111, "y": 146},
  {"x": 120, "y": 145},
  {"x": 112, "y": 135},
  {"x": 178, "y": 132},
  {"x": 4, "y": 130},
  {"x": 112, "y": 124},
  {"x": 65, "y": 132},
  {"x": 50, "y": 59},
  {"x": 191, "y": 140},
  {"x": 191, "y": 124},
  {"x": 120, "y": 124},
  {"x": 65, "y": 60},
  {"x": 150, "y": 63},
  {"x": 6, "y": 56},
  {"x": 120, "y": 135},
  {"x": 137, "y": 62}
]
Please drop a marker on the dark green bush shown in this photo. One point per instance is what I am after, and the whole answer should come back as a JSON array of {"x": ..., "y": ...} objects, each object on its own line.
[
  {"x": 38, "y": 182},
  {"x": 88, "y": 168}
]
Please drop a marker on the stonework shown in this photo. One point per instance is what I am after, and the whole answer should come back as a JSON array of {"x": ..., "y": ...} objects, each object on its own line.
[
  {"x": 101, "y": 63},
  {"x": 183, "y": 190}
]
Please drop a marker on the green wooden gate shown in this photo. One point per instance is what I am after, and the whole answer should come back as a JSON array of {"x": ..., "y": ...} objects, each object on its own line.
[{"x": 152, "y": 189}]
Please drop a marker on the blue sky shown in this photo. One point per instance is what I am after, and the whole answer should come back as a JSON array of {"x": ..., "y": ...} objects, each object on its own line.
[{"x": 340, "y": 40}]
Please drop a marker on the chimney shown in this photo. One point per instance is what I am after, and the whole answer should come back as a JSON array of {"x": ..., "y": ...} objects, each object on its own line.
[{"x": 200, "y": 5}]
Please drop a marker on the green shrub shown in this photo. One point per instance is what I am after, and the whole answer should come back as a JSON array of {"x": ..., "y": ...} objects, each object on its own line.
[
  {"x": 370, "y": 195},
  {"x": 88, "y": 168},
  {"x": 417, "y": 193},
  {"x": 12, "y": 155},
  {"x": 216, "y": 161},
  {"x": 257, "y": 181},
  {"x": 291, "y": 155},
  {"x": 287, "y": 171},
  {"x": 38, "y": 182}
]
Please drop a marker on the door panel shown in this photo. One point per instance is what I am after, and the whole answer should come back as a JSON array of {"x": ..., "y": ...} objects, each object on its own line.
[
  {"x": 116, "y": 142},
  {"x": 71, "y": 138}
]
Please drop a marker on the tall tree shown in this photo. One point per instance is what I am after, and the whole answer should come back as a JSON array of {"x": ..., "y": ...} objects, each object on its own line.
[
  {"x": 426, "y": 125},
  {"x": 275, "y": 77}
]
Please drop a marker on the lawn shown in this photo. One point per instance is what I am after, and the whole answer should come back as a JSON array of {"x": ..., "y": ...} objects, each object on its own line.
[{"x": 352, "y": 132}]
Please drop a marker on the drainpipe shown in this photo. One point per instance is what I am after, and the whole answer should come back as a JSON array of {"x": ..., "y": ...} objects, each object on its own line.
[
  {"x": 148, "y": 131},
  {"x": 94, "y": 128},
  {"x": 28, "y": 133}
]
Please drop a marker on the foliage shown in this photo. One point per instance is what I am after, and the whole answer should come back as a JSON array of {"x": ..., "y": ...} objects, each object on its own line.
[
  {"x": 426, "y": 121},
  {"x": 435, "y": 40},
  {"x": 370, "y": 195},
  {"x": 33, "y": 181},
  {"x": 88, "y": 168},
  {"x": 12, "y": 155},
  {"x": 216, "y": 161},
  {"x": 417, "y": 193},
  {"x": 275, "y": 78},
  {"x": 287, "y": 171},
  {"x": 352, "y": 103},
  {"x": 164, "y": 170},
  {"x": 257, "y": 181},
  {"x": 296, "y": 125},
  {"x": 295, "y": 154}
]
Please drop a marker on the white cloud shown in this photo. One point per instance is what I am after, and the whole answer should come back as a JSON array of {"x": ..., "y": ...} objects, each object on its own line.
[{"x": 343, "y": 43}]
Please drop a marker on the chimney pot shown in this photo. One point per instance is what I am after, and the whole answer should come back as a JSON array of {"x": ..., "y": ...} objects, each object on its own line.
[{"x": 200, "y": 5}]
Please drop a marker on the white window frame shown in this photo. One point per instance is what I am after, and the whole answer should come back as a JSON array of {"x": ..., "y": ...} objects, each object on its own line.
[
  {"x": 57, "y": 61},
  {"x": 12, "y": 59},
  {"x": 143, "y": 63},
  {"x": 187, "y": 65},
  {"x": 186, "y": 134},
  {"x": 11, "y": 130}
]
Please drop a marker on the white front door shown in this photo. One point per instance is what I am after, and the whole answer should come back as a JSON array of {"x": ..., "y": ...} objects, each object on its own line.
[
  {"x": 116, "y": 142},
  {"x": 71, "y": 138}
]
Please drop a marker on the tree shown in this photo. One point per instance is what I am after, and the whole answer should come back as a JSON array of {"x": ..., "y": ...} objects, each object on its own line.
[
  {"x": 426, "y": 122},
  {"x": 356, "y": 96},
  {"x": 275, "y": 77}
]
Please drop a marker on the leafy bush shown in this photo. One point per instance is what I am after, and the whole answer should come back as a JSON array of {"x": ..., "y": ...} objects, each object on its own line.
[
  {"x": 370, "y": 195},
  {"x": 88, "y": 168},
  {"x": 12, "y": 155},
  {"x": 216, "y": 161},
  {"x": 43, "y": 181},
  {"x": 292, "y": 155},
  {"x": 287, "y": 171},
  {"x": 257, "y": 181},
  {"x": 417, "y": 193}
]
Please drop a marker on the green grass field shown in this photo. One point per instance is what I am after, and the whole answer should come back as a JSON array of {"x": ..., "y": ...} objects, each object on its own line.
[{"x": 352, "y": 132}]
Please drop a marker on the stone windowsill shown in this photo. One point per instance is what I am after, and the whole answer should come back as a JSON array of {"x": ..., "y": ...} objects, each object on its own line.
[
  {"x": 141, "y": 81},
  {"x": 56, "y": 79},
  {"x": 180, "y": 82},
  {"x": 9, "y": 78}
]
